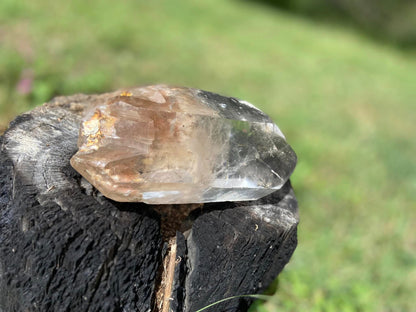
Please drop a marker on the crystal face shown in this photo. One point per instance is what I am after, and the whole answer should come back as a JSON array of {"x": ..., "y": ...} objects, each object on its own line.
[{"x": 171, "y": 145}]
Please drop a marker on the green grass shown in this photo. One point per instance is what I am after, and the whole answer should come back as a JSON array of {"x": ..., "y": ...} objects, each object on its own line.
[{"x": 345, "y": 103}]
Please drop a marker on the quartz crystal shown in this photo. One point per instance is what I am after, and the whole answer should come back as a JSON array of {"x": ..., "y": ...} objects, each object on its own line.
[{"x": 170, "y": 145}]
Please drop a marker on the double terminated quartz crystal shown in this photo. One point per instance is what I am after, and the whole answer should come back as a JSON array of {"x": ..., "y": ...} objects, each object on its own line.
[{"x": 170, "y": 145}]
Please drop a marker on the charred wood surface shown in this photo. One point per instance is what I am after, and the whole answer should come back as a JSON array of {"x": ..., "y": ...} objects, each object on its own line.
[{"x": 65, "y": 247}]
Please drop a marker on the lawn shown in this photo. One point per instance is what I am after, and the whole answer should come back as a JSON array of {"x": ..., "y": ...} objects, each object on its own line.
[{"x": 345, "y": 103}]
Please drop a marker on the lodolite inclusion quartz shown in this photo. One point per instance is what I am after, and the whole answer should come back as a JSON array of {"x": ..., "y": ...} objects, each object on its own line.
[{"x": 170, "y": 145}]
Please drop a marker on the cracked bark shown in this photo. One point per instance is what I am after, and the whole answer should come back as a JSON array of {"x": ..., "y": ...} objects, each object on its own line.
[{"x": 65, "y": 247}]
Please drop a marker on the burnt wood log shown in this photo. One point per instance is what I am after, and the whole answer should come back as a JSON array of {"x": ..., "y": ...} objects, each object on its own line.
[{"x": 65, "y": 247}]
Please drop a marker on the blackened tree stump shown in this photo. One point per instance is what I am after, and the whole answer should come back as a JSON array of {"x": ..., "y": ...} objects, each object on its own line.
[{"x": 65, "y": 247}]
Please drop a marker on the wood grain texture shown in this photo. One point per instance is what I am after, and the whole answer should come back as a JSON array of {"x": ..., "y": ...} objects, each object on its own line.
[
  {"x": 65, "y": 247},
  {"x": 239, "y": 249}
]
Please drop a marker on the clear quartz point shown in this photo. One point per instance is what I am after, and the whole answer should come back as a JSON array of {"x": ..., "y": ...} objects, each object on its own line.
[{"x": 170, "y": 145}]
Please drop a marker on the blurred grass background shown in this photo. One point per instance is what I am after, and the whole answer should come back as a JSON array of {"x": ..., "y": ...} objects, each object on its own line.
[{"x": 345, "y": 99}]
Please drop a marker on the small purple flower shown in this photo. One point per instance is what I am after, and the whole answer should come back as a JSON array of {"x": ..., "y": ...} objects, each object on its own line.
[{"x": 24, "y": 86}]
